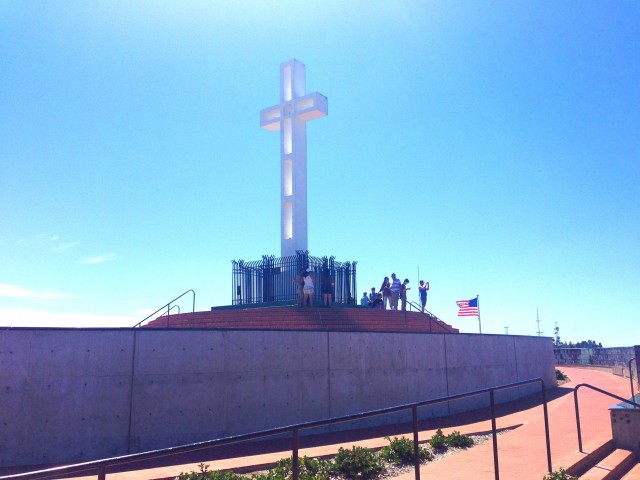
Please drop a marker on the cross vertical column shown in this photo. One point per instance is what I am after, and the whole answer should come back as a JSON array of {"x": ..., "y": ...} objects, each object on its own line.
[{"x": 290, "y": 117}]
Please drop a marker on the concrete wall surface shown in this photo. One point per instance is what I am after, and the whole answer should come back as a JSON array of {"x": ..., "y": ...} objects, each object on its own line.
[
  {"x": 618, "y": 356},
  {"x": 71, "y": 395}
]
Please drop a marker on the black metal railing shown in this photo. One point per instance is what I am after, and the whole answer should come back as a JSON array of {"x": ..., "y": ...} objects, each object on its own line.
[
  {"x": 273, "y": 279},
  {"x": 169, "y": 310},
  {"x": 428, "y": 314},
  {"x": 631, "y": 376},
  {"x": 100, "y": 466},
  {"x": 169, "y": 307},
  {"x": 577, "y": 408}
]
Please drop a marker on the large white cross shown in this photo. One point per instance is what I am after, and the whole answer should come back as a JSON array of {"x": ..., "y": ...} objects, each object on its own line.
[{"x": 290, "y": 117}]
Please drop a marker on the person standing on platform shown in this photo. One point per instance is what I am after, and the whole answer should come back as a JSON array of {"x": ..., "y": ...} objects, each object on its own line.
[
  {"x": 364, "y": 301},
  {"x": 403, "y": 293},
  {"x": 385, "y": 289},
  {"x": 423, "y": 288},
  {"x": 298, "y": 281},
  {"x": 308, "y": 288},
  {"x": 373, "y": 295},
  {"x": 395, "y": 291},
  {"x": 326, "y": 287}
]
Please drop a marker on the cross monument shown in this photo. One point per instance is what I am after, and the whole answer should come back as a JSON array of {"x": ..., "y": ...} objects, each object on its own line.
[{"x": 290, "y": 117}]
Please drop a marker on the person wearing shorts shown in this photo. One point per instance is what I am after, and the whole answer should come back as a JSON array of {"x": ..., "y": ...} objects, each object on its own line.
[
  {"x": 395, "y": 291},
  {"x": 326, "y": 287},
  {"x": 308, "y": 288},
  {"x": 423, "y": 288}
]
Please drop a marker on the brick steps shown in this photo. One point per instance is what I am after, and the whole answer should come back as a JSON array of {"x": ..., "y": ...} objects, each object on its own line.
[
  {"x": 293, "y": 318},
  {"x": 633, "y": 474},
  {"x": 612, "y": 467},
  {"x": 604, "y": 462}
]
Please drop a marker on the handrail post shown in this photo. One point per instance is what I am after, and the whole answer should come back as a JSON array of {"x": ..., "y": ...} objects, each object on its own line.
[
  {"x": 546, "y": 425},
  {"x": 101, "y": 472},
  {"x": 631, "y": 377},
  {"x": 577, "y": 408},
  {"x": 496, "y": 467},
  {"x": 416, "y": 447},
  {"x": 295, "y": 467}
]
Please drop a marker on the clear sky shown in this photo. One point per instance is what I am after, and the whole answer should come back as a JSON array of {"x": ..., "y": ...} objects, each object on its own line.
[{"x": 493, "y": 145}]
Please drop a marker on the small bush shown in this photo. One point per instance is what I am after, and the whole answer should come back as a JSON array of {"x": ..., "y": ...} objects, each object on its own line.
[
  {"x": 559, "y": 475},
  {"x": 438, "y": 441},
  {"x": 400, "y": 450},
  {"x": 205, "y": 474},
  {"x": 308, "y": 469},
  {"x": 457, "y": 439},
  {"x": 560, "y": 376},
  {"x": 357, "y": 463}
]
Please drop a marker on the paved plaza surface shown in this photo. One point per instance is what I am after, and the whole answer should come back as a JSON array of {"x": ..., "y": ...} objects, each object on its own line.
[{"x": 522, "y": 450}]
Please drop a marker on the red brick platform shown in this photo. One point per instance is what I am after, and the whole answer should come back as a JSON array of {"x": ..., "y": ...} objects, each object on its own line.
[{"x": 318, "y": 319}]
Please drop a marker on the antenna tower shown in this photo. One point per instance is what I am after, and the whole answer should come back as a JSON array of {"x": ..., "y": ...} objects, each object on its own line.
[{"x": 538, "y": 320}]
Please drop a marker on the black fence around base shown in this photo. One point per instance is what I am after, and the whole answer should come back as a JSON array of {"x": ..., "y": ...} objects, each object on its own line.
[{"x": 272, "y": 279}]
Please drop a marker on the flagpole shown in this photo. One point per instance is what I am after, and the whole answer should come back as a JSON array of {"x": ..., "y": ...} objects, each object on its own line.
[{"x": 479, "y": 322}]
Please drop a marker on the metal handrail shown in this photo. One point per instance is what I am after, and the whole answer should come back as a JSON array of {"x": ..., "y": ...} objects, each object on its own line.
[
  {"x": 631, "y": 376},
  {"x": 430, "y": 315},
  {"x": 100, "y": 466},
  {"x": 575, "y": 400},
  {"x": 167, "y": 305},
  {"x": 169, "y": 309}
]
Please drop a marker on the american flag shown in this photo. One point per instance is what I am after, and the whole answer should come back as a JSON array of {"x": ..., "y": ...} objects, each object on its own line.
[{"x": 467, "y": 308}]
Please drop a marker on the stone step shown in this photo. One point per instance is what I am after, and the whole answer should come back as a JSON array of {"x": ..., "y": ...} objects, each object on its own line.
[
  {"x": 612, "y": 467},
  {"x": 293, "y": 318},
  {"x": 633, "y": 474}
]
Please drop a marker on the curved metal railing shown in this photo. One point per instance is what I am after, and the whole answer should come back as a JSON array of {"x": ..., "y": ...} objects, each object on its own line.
[{"x": 575, "y": 400}]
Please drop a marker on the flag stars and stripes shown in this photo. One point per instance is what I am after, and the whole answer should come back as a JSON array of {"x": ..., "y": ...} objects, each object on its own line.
[{"x": 467, "y": 308}]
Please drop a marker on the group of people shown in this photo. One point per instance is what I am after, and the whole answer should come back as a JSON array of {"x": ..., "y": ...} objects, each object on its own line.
[
  {"x": 390, "y": 292},
  {"x": 305, "y": 282}
]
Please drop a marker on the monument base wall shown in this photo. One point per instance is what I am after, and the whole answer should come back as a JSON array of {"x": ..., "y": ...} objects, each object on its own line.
[{"x": 71, "y": 395}]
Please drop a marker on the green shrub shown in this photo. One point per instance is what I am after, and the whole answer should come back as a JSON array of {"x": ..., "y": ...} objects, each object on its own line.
[
  {"x": 457, "y": 439},
  {"x": 400, "y": 450},
  {"x": 438, "y": 441},
  {"x": 308, "y": 469},
  {"x": 205, "y": 474},
  {"x": 357, "y": 463},
  {"x": 559, "y": 475},
  {"x": 560, "y": 375}
]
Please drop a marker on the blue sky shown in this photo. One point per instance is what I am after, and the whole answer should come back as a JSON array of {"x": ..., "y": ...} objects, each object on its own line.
[{"x": 492, "y": 145}]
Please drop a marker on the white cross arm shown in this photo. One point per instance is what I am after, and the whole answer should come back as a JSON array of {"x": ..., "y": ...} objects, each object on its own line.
[{"x": 309, "y": 107}]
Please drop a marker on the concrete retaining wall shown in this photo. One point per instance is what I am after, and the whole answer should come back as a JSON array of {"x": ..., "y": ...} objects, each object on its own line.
[
  {"x": 74, "y": 395},
  {"x": 618, "y": 358}
]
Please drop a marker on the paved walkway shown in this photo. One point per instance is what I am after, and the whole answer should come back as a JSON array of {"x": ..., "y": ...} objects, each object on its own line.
[{"x": 522, "y": 451}]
